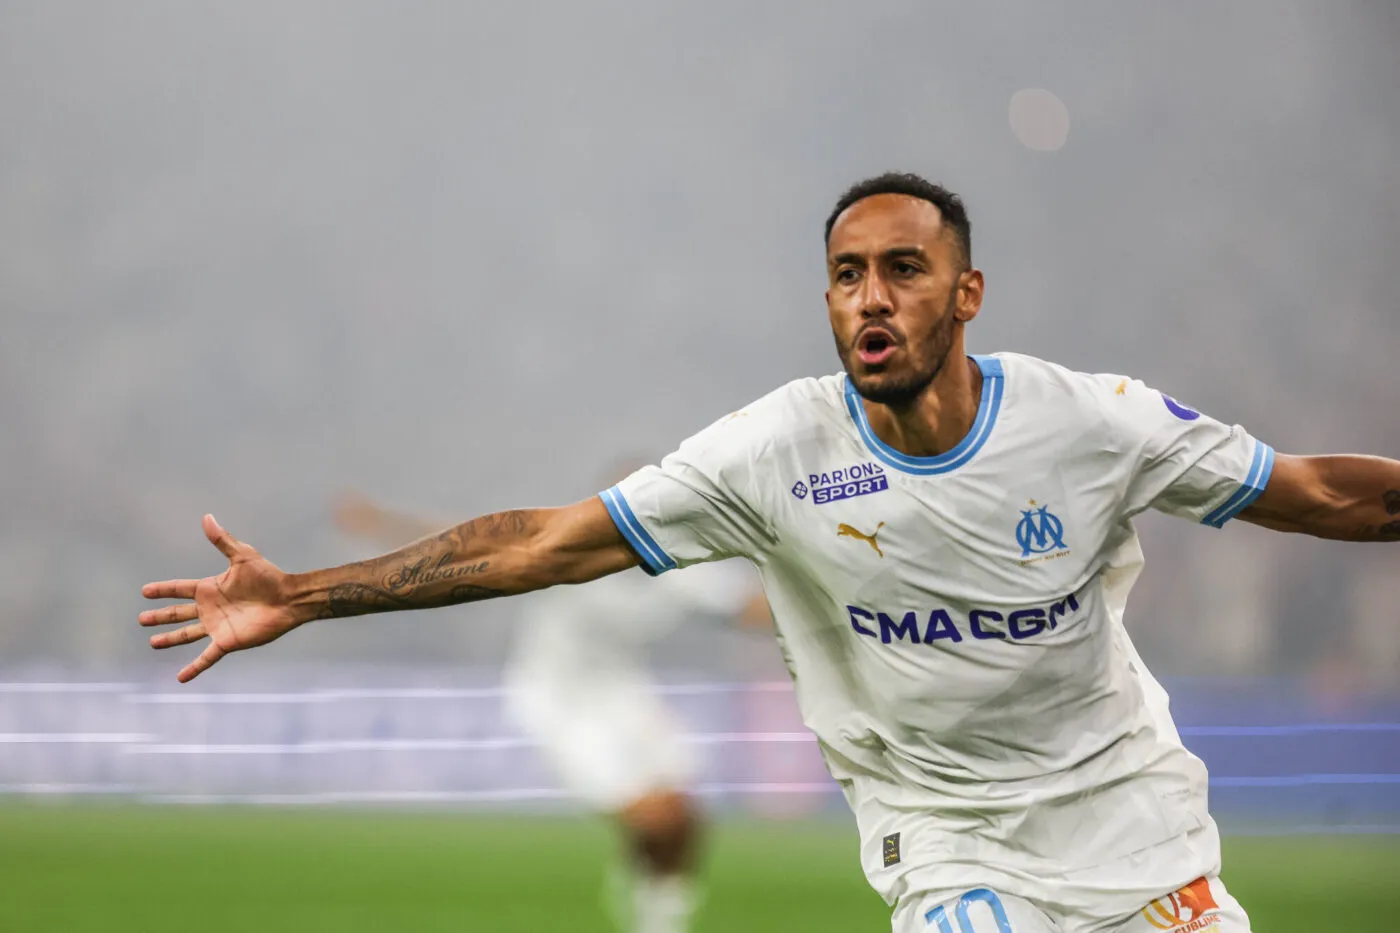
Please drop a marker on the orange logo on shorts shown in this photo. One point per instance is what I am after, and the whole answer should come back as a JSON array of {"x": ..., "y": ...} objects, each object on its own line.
[{"x": 1185, "y": 911}]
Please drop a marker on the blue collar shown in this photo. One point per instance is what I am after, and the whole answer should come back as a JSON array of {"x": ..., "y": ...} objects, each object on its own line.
[{"x": 993, "y": 388}]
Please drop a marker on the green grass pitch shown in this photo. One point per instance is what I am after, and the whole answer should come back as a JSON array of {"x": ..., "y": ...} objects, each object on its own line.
[{"x": 112, "y": 869}]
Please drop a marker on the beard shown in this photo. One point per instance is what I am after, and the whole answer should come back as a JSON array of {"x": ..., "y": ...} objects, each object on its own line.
[{"x": 903, "y": 387}]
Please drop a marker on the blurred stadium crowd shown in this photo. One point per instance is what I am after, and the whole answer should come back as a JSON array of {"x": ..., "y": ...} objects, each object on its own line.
[{"x": 463, "y": 259}]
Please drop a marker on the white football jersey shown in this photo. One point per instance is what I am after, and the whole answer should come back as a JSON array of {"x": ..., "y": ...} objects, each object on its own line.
[{"x": 954, "y": 624}]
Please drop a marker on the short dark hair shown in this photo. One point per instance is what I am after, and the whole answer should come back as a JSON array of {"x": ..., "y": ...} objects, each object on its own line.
[{"x": 949, "y": 204}]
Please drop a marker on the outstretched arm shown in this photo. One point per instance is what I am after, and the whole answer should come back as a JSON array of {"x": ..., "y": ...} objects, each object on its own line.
[
  {"x": 360, "y": 516},
  {"x": 253, "y": 602},
  {"x": 1346, "y": 498}
]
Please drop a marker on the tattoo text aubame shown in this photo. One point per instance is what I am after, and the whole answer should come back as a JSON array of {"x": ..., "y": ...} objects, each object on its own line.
[
  {"x": 431, "y": 572},
  {"x": 425, "y": 570}
]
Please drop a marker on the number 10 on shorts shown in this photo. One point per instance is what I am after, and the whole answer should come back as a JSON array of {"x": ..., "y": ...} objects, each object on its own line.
[{"x": 939, "y": 915}]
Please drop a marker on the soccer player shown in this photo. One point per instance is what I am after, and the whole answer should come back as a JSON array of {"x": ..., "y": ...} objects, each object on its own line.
[
  {"x": 578, "y": 685},
  {"x": 947, "y": 545}
]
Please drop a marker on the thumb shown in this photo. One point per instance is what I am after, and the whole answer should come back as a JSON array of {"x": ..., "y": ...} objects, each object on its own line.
[{"x": 227, "y": 544}]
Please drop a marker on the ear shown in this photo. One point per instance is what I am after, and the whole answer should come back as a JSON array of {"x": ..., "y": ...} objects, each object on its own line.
[{"x": 969, "y": 297}]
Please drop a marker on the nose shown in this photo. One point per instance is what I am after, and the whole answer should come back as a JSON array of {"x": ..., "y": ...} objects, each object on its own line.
[{"x": 875, "y": 297}]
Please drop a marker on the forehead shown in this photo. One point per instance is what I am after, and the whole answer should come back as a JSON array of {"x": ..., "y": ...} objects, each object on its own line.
[{"x": 877, "y": 223}]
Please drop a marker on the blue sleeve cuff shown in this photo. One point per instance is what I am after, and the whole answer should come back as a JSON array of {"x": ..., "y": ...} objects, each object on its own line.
[
  {"x": 655, "y": 561},
  {"x": 1253, "y": 486}
]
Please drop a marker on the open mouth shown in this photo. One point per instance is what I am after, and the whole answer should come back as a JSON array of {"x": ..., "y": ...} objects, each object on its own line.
[{"x": 874, "y": 346}]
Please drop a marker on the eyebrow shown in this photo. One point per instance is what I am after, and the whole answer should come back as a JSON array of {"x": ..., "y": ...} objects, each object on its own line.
[{"x": 894, "y": 252}]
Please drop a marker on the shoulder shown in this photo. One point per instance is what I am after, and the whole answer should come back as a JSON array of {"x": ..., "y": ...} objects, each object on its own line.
[
  {"x": 1122, "y": 406},
  {"x": 1097, "y": 410},
  {"x": 1032, "y": 379},
  {"x": 794, "y": 409},
  {"x": 802, "y": 400},
  {"x": 1044, "y": 376}
]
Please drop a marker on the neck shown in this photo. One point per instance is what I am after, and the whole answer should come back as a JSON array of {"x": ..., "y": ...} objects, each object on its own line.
[{"x": 939, "y": 418}]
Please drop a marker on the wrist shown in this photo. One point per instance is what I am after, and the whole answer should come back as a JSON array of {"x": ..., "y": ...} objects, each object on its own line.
[{"x": 305, "y": 597}]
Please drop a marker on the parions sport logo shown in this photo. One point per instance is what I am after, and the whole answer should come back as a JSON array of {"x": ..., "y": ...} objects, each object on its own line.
[
  {"x": 1190, "y": 910},
  {"x": 860, "y": 479}
]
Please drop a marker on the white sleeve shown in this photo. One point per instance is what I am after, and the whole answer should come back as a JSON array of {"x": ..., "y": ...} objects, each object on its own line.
[
  {"x": 1182, "y": 462},
  {"x": 694, "y": 507}
]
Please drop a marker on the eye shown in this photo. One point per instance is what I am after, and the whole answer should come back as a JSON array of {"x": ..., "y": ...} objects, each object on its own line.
[
  {"x": 906, "y": 269},
  {"x": 846, "y": 275}
]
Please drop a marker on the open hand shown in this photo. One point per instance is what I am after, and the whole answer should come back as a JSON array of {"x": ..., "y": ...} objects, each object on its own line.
[{"x": 245, "y": 606}]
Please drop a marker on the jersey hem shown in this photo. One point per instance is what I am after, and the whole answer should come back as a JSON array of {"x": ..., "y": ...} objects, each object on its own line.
[
  {"x": 655, "y": 560},
  {"x": 1260, "y": 469}
]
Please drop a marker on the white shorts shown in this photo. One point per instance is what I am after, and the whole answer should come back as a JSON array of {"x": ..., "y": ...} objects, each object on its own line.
[
  {"x": 609, "y": 739},
  {"x": 1203, "y": 906}
]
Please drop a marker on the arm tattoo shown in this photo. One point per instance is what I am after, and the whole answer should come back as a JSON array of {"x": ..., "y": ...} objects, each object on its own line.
[
  {"x": 424, "y": 570},
  {"x": 498, "y": 525},
  {"x": 1390, "y": 531},
  {"x": 432, "y": 572},
  {"x": 355, "y": 599},
  {"x": 470, "y": 593}
]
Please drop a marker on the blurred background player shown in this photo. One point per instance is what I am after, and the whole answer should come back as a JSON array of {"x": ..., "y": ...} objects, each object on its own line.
[{"x": 577, "y": 684}]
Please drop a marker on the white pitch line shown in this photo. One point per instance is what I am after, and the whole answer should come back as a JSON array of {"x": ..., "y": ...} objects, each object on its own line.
[
  {"x": 74, "y": 738},
  {"x": 507, "y": 795},
  {"x": 425, "y": 693},
  {"x": 490, "y": 743},
  {"x": 66, "y": 687},
  {"x": 724, "y": 738},
  {"x": 333, "y": 746},
  {"x": 334, "y": 797},
  {"x": 66, "y": 789}
]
